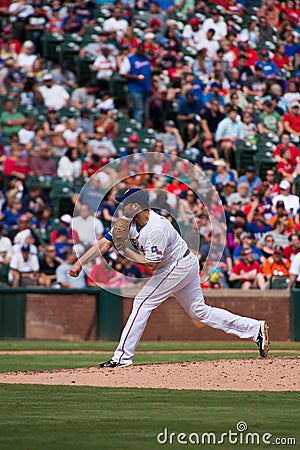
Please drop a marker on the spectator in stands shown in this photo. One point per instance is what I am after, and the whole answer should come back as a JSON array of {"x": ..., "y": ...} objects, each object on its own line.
[
  {"x": 217, "y": 254},
  {"x": 295, "y": 273},
  {"x": 137, "y": 70},
  {"x": 69, "y": 165},
  {"x": 84, "y": 97},
  {"x": 19, "y": 11},
  {"x": 62, "y": 273},
  {"x": 51, "y": 122},
  {"x": 24, "y": 232},
  {"x": 256, "y": 84},
  {"x": 107, "y": 120},
  {"x": 258, "y": 227},
  {"x": 291, "y": 202},
  {"x": 102, "y": 146},
  {"x": 65, "y": 222},
  {"x": 10, "y": 120},
  {"x": 105, "y": 65},
  {"x": 11, "y": 214},
  {"x": 83, "y": 144},
  {"x": 268, "y": 247},
  {"x": 54, "y": 95},
  {"x": 281, "y": 59},
  {"x": 276, "y": 265},
  {"x": 248, "y": 271},
  {"x": 5, "y": 248},
  {"x": 281, "y": 212},
  {"x": 286, "y": 168},
  {"x": 16, "y": 165},
  {"x": 192, "y": 33},
  {"x": 116, "y": 23},
  {"x": 85, "y": 124},
  {"x": 103, "y": 275},
  {"x": 269, "y": 67},
  {"x": 42, "y": 221},
  {"x": 266, "y": 31},
  {"x": 280, "y": 238},
  {"x": 190, "y": 106},
  {"x": 287, "y": 145},
  {"x": 171, "y": 137},
  {"x": 34, "y": 200},
  {"x": 260, "y": 202},
  {"x": 241, "y": 196},
  {"x": 292, "y": 94},
  {"x": 42, "y": 162},
  {"x": 247, "y": 240},
  {"x": 63, "y": 76},
  {"x": 108, "y": 208},
  {"x": 250, "y": 178},
  {"x": 62, "y": 243},
  {"x": 27, "y": 56},
  {"x": 24, "y": 267},
  {"x": 48, "y": 265},
  {"x": 223, "y": 178},
  {"x": 271, "y": 120},
  {"x": 70, "y": 134},
  {"x": 291, "y": 120},
  {"x": 210, "y": 119},
  {"x": 30, "y": 95},
  {"x": 293, "y": 248},
  {"x": 27, "y": 134},
  {"x": 73, "y": 23},
  {"x": 207, "y": 156},
  {"x": 88, "y": 227},
  {"x": 36, "y": 25},
  {"x": 251, "y": 32},
  {"x": 229, "y": 131},
  {"x": 216, "y": 23}
]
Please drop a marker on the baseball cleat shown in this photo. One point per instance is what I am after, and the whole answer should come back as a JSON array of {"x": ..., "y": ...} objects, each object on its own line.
[
  {"x": 262, "y": 339},
  {"x": 112, "y": 364}
]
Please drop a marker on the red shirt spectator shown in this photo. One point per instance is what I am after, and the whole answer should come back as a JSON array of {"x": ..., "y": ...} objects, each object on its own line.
[
  {"x": 294, "y": 248},
  {"x": 242, "y": 267},
  {"x": 65, "y": 222},
  {"x": 295, "y": 154},
  {"x": 291, "y": 120},
  {"x": 15, "y": 165}
]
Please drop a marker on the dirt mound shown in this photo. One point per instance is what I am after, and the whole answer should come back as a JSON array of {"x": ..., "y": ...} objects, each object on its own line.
[{"x": 272, "y": 374}]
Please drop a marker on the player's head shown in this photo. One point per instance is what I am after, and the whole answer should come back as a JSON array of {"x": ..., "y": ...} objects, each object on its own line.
[{"x": 134, "y": 195}]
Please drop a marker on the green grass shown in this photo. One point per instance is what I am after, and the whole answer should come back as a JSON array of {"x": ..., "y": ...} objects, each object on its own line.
[
  {"x": 22, "y": 362},
  {"x": 110, "y": 345},
  {"x": 87, "y": 418},
  {"x": 12, "y": 363}
]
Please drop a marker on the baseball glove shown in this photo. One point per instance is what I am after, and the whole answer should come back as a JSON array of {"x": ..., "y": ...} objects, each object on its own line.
[{"x": 120, "y": 234}]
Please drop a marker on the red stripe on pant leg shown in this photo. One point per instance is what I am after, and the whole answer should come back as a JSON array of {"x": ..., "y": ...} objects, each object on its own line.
[{"x": 123, "y": 350}]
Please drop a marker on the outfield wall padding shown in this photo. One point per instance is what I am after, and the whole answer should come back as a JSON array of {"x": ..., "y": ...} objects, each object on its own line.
[{"x": 89, "y": 314}]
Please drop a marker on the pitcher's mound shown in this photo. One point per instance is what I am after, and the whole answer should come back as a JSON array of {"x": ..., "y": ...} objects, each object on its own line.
[{"x": 272, "y": 374}]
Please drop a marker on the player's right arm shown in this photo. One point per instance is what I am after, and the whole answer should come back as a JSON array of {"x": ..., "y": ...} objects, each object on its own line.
[{"x": 101, "y": 247}]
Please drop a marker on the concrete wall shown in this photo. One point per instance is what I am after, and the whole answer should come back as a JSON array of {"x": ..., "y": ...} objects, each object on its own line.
[
  {"x": 170, "y": 321},
  {"x": 60, "y": 316},
  {"x": 65, "y": 316}
]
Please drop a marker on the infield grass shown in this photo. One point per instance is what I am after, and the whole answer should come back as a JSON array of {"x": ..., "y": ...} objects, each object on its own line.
[
  {"x": 88, "y": 418},
  {"x": 26, "y": 362}
]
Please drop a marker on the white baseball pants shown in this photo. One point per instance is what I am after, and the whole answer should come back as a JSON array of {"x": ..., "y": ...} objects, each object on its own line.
[{"x": 180, "y": 280}]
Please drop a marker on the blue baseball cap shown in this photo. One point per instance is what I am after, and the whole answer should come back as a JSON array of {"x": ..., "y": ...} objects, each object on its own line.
[{"x": 134, "y": 195}]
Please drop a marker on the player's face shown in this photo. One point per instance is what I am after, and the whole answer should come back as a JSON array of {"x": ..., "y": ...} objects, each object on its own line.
[{"x": 131, "y": 209}]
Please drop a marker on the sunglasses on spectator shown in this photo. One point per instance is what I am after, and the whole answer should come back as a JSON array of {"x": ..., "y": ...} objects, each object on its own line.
[{"x": 269, "y": 240}]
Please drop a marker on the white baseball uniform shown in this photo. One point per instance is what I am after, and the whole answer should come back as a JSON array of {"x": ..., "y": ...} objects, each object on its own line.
[{"x": 177, "y": 275}]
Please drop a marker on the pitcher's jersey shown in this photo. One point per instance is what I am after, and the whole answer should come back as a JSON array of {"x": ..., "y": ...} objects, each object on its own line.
[{"x": 158, "y": 240}]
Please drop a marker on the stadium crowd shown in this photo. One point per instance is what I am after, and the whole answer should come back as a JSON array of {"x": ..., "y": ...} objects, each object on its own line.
[{"x": 85, "y": 83}]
